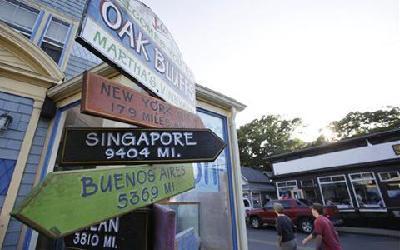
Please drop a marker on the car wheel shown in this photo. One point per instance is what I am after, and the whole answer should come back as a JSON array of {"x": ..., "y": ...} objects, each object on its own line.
[
  {"x": 306, "y": 225},
  {"x": 255, "y": 222}
]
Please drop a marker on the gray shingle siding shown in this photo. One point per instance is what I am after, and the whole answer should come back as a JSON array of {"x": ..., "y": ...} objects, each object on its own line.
[
  {"x": 28, "y": 178},
  {"x": 76, "y": 65},
  {"x": 11, "y": 139},
  {"x": 72, "y": 8},
  {"x": 20, "y": 109}
]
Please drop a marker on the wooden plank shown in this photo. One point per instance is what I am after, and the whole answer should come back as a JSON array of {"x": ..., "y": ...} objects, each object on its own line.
[
  {"x": 116, "y": 146},
  {"x": 108, "y": 99},
  {"x": 66, "y": 202}
]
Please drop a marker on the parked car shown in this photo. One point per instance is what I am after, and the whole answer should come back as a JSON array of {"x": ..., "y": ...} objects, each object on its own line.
[
  {"x": 296, "y": 210},
  {"x": 247, "y": 204}
]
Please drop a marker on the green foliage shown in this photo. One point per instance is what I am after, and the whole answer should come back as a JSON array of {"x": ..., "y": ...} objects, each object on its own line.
[
  {"x": 267, "y": 136},
  {"x": 362, "y": 123}
]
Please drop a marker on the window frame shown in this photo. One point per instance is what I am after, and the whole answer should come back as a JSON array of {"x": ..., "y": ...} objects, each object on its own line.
[
  {"x": 385, "y": 172},
  {"x": 66, "y": 39},
  {"x": 38, "y": 21},
  {"x": 278, "y": 182},
  {"x": 344, "y": 181},
  {"x": 296, "y": 186},
  {"x": 372, "y": 178}
]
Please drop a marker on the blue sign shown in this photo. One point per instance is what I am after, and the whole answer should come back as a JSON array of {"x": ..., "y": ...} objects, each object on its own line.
[{"x": 130, "y": 35}]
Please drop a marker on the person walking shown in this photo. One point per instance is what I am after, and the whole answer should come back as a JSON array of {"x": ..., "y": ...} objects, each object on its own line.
[
  {"x": 324, "y": 232},
  {"x": 284, "y": 229}
]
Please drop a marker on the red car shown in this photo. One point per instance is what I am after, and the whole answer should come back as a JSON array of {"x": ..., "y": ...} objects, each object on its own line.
[{"x": 296, "y": 210}]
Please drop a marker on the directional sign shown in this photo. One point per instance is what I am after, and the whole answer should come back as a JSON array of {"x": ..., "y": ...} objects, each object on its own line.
[
  {"x": 102, "y": 97},
  {"x": 69, "y": 201},
  {"x": 115, "y": 233},
  {"x": 116, "y": 146}
]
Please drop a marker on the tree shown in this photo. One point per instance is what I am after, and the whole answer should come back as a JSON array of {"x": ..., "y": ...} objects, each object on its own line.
[
  {"x": 267, "y": 136},
  {"x": 362, "y": 123}
]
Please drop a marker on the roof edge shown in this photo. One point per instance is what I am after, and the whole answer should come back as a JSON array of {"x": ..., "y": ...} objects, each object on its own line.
[
  {"x": 361, "y": 141},
  {"x": 207, "y": 94}
]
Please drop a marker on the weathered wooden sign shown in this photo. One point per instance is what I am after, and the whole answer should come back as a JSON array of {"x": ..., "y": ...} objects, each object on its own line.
[
  {"x": 129, "y": 35},
  {"x": 102, "y": 97},
  {"x": 132, "y": 229},
  {"x": 66, "y": 202},
  {"x": 116, "y": 146}
]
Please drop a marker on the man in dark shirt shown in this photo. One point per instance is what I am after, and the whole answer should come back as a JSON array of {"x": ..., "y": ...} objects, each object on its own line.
[
  {"x": 284, "y": 229},
  {"x": 324, "y": 231}
]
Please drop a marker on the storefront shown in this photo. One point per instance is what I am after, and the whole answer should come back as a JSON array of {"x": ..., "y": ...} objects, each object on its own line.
[
  {"x": 41, "y": 103},
  {"x": 360, "y": 175}
]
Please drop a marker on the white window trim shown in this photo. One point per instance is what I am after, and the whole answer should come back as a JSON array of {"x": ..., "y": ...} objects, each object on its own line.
[
  {"x": 287, "y": 182},
  {"x": 380, "y": 176},
  {"x": 332, "y": 176},
  {"x": 368, "y": 208},
  {"x": 362, "y": 178},
  {"x": 277, "y": 188},
  {"x": 347, "y": 187},
  {"x": 37, "y": 22},
  {"x": 66, "y": 39}
]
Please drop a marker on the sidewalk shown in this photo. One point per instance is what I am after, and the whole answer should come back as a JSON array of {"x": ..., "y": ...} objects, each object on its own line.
[{"x": 369, "y": 231}]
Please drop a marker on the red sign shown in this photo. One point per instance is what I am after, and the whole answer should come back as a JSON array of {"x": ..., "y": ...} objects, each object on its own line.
[{"x": 102, "y": 97}]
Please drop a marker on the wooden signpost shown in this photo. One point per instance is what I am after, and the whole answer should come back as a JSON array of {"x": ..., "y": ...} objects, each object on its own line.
[
  {"x": 66, "y": 202},
  {"x": 102, "y": 97},
  {"x": 116, "y": 146},
  {"x": 69, "y": 201}
]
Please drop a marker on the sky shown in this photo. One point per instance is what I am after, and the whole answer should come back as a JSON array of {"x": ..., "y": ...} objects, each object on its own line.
[{"x": 317, "y": 60}]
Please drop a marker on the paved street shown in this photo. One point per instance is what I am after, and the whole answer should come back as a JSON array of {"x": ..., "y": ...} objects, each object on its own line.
[{"x": 264, "y": 239}]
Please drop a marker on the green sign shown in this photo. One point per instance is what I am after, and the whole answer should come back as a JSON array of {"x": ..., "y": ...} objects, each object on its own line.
[{"x": 69, "y": 201}]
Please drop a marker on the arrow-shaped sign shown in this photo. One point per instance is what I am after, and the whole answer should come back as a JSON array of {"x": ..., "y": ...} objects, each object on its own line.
[
  {"x": 113, "y": 146},
  {"x": 105, "y": 98},
  {"x": 69, "y": 201}
]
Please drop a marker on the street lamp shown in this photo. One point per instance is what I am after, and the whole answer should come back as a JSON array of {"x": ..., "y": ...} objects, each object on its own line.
[{"x": 5, "y": 121}]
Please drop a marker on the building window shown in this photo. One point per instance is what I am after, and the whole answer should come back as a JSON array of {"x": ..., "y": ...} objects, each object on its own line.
[
  {"x": 284, "y": 188},
  {"x": 54, "y": 39},
  {"x": 392, "y": 183},
  {"x": 393, "y": 190},
  {"x": 19, "y": 16},
  {"x": 335, "y": 191},
  {"x": 309, "y": 191},
  {"x": 389, "y": 176},
  {"x": 366, "y": 191}
]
